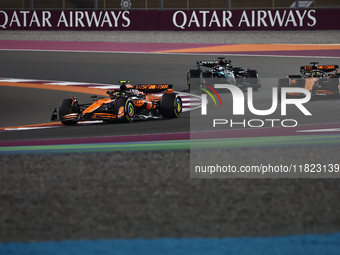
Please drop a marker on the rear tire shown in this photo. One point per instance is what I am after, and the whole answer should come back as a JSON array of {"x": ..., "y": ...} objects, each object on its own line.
[
  {"x": 171, "y": 106},
  {"x": 194, "y": 73},
  {"x": 65, "y": 108},
  {"x": 254, "y": 79},
  {"x": 206, "y": 78},
  {"x": 284, "y": 82},
  {"x": 334, "y": 85},
  {"x": 124, "y": 108}
]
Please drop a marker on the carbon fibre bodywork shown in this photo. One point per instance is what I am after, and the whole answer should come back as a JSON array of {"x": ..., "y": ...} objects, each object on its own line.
[
  {"x": 223, "y": 69},
  {"x": 143, "y": 101},
  {"x": 319, "y": 80}
]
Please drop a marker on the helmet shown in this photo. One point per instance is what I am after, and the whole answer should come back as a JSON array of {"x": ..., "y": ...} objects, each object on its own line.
[
  {"x": 219, "y": 68},
  {"x": 316, "y": 74},
  {"x": 222, "y": 62}
]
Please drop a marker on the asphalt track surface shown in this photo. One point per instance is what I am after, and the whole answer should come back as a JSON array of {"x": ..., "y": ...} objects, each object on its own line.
[
  {"x": 26, "y": 106},
  {"x": 149, "y": 194}
]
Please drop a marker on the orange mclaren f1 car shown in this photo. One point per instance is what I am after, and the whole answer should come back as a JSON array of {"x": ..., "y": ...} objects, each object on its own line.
[
  {"x": 143, "y": 101},
  {"x": 320, "y": 80}
]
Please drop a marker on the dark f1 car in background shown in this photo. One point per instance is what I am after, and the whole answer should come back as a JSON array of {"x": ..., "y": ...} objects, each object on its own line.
[
  {"x": 126, "y": 104},
  {"x": 222, "y": 68},
  {"x": 320, "y": 80}
]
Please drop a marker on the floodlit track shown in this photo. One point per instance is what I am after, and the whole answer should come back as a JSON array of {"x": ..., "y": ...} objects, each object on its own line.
[
  {"x": 27, "y": 106},
  {"x": 124, "y": 194}
]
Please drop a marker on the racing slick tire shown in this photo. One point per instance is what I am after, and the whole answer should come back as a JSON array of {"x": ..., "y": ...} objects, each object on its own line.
[
  {"x": 313, "y": 93},
  {"x": 334, "y": 83},
  {"x": 284, "y": 82},
  {"x": 206, "y": 78},
  {"x": 170, "y": 106},
  {"x": 254, "y": 79},
  {"x": 206, "y": 75},
  {"x": 65, "y": 108},
  {"x": 193, "y": 73},
  {"x": 124, "y": 108}
]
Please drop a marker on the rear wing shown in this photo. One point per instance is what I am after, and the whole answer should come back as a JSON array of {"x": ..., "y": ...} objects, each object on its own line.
[
  {"x": 208, "y": 63},
  {"x": 153, "y": 87},
  {"x": 325, "y": 68},
  {"x": 211, "y": 63}
]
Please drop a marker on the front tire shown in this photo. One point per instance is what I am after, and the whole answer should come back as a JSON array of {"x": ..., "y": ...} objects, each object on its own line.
[
  {"x": 171, "y": 106},
  {"x": 65, "y": 108},
  {"x": 125, "y": 110}
]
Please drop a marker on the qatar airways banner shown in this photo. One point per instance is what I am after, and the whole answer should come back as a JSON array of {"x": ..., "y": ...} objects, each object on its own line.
[{"x": 290, "y": 19}]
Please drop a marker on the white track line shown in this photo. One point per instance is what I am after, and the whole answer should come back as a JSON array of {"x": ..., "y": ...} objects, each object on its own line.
[
  {"x": 163, "y": 53},
  {"x": 320, "y": 130}
]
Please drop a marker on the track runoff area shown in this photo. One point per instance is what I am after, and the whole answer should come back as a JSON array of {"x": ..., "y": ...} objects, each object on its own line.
[{"x": 300, "y": 244}]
